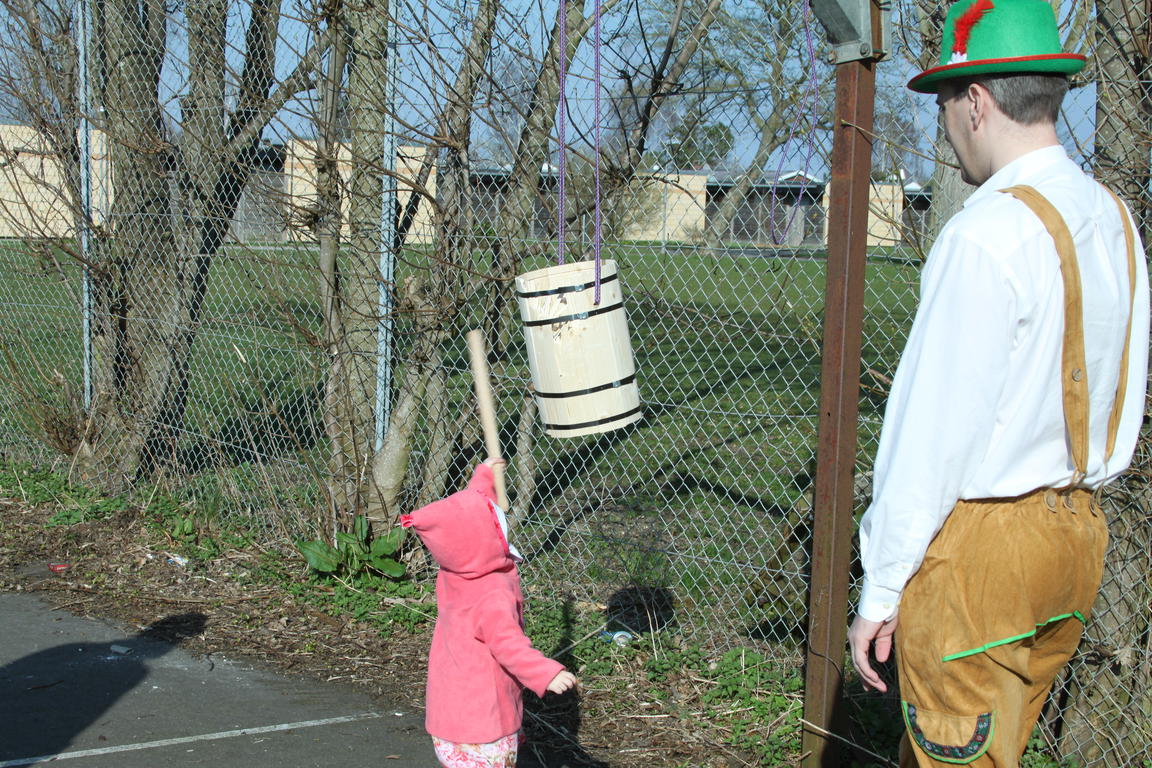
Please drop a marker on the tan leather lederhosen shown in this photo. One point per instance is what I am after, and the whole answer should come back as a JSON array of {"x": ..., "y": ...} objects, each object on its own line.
[{"x": 998, "y": 605}]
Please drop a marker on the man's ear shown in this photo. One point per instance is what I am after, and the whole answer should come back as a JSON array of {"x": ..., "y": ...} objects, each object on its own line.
[{"x": 977, "y": 100}]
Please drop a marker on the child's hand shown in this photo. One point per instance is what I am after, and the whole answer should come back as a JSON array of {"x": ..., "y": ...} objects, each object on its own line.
[
  {"x": 493, "y": 461},
  {"x": 563, "y": 681}
]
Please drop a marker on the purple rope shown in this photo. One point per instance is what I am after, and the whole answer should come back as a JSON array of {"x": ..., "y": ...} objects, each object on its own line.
[
  {"x": 561, "y": 132},
  {"x": 598, "y": 234}
]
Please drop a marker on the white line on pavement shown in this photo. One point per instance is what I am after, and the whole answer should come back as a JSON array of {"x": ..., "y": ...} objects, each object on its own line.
[{"x": 189, "y": 739}]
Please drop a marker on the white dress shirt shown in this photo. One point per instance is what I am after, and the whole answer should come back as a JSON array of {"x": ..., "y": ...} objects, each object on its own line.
[{"x": 976, "y": 407}]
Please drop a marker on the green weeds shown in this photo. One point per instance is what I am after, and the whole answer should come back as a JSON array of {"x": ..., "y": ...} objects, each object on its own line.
[
  {"x": 1038, "y": 756},
  {"x": 760, "y": 701},
  {"x": 751, "y": 702},
  {"x": 356, "y": 551},
  {"x": 197, "y": 522},
  {"x": 72, "y": 504},
  {"x": 385, "y": 604}
]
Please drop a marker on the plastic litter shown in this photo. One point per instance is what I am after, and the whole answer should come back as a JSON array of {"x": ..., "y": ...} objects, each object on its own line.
[{"x": 620, "y": 637}]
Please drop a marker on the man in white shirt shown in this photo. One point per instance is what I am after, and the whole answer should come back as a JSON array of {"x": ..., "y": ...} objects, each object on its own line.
[{"x": 1020, "y": 392}]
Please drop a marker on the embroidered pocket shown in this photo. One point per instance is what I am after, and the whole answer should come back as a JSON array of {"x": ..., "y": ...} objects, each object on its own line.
[{"x": 949, "y": 738}]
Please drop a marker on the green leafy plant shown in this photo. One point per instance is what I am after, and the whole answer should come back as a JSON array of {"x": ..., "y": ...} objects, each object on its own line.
[
  {"x": 768, "y": 701},
  {"x": 1037, "y": 755},
  {"x": 356, "y": 551},
  {"x": 71, "y": 504},
  {"x": 669, "y": 661},
  {"x": 384, "y": 603},
  {"x": 81, "y": 509}
]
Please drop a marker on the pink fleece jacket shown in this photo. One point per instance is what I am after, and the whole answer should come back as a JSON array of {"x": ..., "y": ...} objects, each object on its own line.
[{"x": 480, "y": 659}]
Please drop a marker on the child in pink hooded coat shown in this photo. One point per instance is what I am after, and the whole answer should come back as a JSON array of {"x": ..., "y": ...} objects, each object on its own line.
[{"x": 480, "y": 660}]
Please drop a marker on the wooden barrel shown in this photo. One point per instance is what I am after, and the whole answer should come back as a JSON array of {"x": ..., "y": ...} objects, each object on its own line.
[{"x": 579, "y": 352}]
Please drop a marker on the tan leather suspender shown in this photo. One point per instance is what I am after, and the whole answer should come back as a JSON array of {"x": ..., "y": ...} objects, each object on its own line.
[{"x": 1074, "y": 375}]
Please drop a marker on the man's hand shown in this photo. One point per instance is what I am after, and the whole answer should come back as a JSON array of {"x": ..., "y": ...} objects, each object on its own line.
[
  {"x": 861, "y": 635},
  {"x": 563, "y": 681}
]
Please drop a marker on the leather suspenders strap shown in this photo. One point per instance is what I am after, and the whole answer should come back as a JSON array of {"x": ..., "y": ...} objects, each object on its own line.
[
  {"x": 1073, "y": 376},
  {"x": 1073, "y": 373}
]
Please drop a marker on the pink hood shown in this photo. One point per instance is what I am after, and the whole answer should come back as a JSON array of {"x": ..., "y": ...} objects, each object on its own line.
[{"x": 462, "y": 531}]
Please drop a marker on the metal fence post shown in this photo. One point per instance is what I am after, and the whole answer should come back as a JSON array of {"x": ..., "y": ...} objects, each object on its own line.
[
  {"x": 388, "y": 248},
  {"x": 839, "y": 405},
  {"x": 84, "y": 218}
]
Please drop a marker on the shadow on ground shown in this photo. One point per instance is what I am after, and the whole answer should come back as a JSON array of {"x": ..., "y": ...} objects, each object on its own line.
[{"x": 49, "y": 697}]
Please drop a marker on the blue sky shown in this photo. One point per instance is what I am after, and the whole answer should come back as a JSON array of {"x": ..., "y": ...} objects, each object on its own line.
[{"x": 430, "y": 46}]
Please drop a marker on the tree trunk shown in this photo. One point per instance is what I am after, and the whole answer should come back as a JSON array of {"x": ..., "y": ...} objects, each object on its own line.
[
  {"x": 770, "y": 140},
  {"x": 139, "y": 289},
  {"x": 949, "y": 191},
  {"x": 150, "y": 283},
  {"x": 174, "y": 199},
  {"x": 1108, "y": 710},
  {"x": 1124, "y": 103},
  {"x": 353, "y": 349},
  {"x": 524, "y": 473},
  {"x": 329, "y": 225},
  {"x": 390, "y": 463},
  {"x": 437, "y": 302},
  {"x": 441, "y": 439},
  {"x": 1109, "y": 704},
  {"x": 215, "y": 163},
  {"x": 455, "y": 241}
]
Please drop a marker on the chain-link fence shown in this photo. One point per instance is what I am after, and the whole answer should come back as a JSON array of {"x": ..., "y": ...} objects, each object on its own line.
[{"x": 243, "y": 242}]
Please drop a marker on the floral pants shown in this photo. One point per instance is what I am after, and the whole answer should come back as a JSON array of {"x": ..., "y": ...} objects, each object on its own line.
[{"x": 496, "y": 754}]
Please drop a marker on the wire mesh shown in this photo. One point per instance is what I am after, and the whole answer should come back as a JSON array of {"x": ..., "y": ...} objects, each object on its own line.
[{"x": 221, "y": 288}]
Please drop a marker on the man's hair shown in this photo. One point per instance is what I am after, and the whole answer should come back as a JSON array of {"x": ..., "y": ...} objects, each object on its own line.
[{"x": 1025, "y": 98}]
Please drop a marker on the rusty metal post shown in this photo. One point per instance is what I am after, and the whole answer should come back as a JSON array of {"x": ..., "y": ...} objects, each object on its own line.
[{"x": 839, "y": 408}]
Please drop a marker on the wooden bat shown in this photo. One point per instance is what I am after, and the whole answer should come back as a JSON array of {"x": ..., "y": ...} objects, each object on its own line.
[{"x": 487, "y": 408}]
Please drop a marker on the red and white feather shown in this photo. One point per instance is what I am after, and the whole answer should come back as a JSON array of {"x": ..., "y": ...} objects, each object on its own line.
[{"x": 963, "y": 29}]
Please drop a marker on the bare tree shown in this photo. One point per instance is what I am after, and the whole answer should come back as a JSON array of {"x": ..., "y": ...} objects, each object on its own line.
[
  {"x": 179, "y": 170},
  {"x": 778, "y": 97},
  {"x": 1122, "y": 59},
  {"x": 920, "y": 26},
  {"x": 352, "y": 125},
  {"x": 177, "y": 177},
  {"x": 438, "y": 298},
  {"x": 1109, "y": 704}
]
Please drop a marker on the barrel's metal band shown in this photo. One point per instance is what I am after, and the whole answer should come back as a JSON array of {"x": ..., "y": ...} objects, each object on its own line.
[
  {"x": 577, "y": 316},
  {"x": 564, "y": 289},
  {"x": 596, "y": 423},
  {"x": 590, "y": 390}
]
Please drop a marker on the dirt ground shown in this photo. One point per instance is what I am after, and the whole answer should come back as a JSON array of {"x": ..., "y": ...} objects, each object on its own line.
[{"x": 119, "y": 568}]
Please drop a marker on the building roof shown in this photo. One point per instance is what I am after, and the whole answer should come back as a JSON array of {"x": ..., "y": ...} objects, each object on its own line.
[
  {"x": 798, "y": 179},
  {"x": 916, "y": 189}
]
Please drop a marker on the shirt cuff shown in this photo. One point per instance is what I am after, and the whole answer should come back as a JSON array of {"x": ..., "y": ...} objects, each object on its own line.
[{"x": 877, "y": 603}]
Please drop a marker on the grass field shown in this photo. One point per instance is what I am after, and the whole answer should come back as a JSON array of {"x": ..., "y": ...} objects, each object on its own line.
[{"x": 696, "y": 499}]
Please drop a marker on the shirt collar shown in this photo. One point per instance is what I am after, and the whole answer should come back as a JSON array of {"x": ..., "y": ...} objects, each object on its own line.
[{"x": 1019, "y": 171}]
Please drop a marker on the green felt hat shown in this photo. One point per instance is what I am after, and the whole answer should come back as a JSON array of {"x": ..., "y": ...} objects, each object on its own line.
[{"x": 993, "y": 37}]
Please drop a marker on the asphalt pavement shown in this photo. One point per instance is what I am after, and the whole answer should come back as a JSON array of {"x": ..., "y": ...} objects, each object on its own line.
[{"x": 98, "y": 695}]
